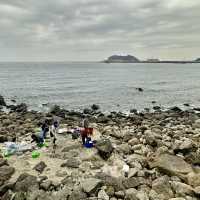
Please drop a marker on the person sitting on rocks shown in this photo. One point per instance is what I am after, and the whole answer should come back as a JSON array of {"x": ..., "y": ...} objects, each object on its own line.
[{"x": 37, "y": 138}]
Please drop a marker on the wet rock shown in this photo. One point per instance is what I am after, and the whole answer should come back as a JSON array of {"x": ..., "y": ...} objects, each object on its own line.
[
  {"x": 175, "y": 109},
  {"x": 40, "y": 167},
  {"x": 26, "y": 182},
  {"x": 95, "y": 107},
  {"x": 21, "y": 108},
  {"x": 156, "y": 107},
  {"x": 162, "y": 187},
  {"x": 91, "y": 185},
  {"x": 133, "y": 111},
  {"x": 140, "y": 89},
  {"x": 6, "y": 172},
  {"x": 71, "y": 163},
  {"x": 55, "y": 109},
  {"x": 87, "y": 111},
  {"x": 104, "y": 148},
  {"x": 172, "y": 165},
  {"x": 2, "y": 101}
]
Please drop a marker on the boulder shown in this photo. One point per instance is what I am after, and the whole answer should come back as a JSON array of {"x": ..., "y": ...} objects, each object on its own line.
[
  {"x": 134, "y": 182},
  {"x": 197, "y": 124},
  {"x": 25, "y": 182},
  {"x": 172, "y": 165},
  {"x": 131, "y": 194},
  {"x": 91, "y": 185},
  {"x": 46, "y": 185},
  {"x": 3, "y": 162},
  {"x": 95, "y": 107},
  {"x": 71, "y": 163},
  {"x": 6, "y": 172},
  {"x": 162, "y": 187},
  {"x": 77, "y": 195},
  {"x": 102, "y": 195},
  {"x": 142, "y": 195},
  {"x": 182, "y": 188},
  {"x": 193, "y": 179},
  {"x": 40, "y": 167},
  {"x": 104, "y": 148},
  {"x": 2, "y": 101},
  {"x": 21, "y": 108}
]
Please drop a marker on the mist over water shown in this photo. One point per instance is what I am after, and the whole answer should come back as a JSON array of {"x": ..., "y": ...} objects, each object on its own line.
[{"x": 112, "y": 86}]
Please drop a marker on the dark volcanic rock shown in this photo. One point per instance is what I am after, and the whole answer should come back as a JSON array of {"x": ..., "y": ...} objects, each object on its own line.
[
  {"x": 26, "y": 182},
  {"x": 95, "y": 107},
  {"x": 21, "y": 108},
  {"x": 40, "y": 167},
  {"x": 72, "y": 163},
  {"x": 104, "y": 148},
  {"x": 6, "y": 172},
  {"x": 2, "y": 101},
  {"x": 175, "y": 109}
]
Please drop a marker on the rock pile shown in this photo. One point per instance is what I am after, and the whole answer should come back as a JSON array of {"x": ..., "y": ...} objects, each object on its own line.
[{"x": 162, "y": 150}]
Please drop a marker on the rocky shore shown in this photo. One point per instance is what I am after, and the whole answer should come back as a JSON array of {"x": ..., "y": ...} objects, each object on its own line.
[{"x": 162, "y": 150}]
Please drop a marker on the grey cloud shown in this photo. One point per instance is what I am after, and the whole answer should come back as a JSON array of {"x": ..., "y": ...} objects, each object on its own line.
[{"x": 64, "y": 29}]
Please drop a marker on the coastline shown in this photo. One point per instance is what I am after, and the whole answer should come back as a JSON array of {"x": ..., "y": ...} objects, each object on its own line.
[{"x": 160, "y": 148}]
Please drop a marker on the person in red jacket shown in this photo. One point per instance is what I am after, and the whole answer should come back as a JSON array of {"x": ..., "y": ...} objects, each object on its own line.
[{"x": 85, "y": 131}]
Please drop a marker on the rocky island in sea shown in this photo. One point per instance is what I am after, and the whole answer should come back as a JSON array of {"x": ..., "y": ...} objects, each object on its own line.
[
  {"x": 160, "y": 152},
  {"x": 122, "y": 59}
]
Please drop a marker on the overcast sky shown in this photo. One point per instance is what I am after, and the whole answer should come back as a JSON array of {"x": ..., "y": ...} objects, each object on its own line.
[{"x": 42, "y": 30}]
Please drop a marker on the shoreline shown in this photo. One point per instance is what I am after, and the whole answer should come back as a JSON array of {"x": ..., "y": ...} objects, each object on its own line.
[{"x": 161, "y": 150}]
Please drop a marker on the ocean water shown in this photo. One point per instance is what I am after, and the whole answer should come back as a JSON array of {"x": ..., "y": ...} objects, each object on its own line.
[{"x": 112, "y": 86}]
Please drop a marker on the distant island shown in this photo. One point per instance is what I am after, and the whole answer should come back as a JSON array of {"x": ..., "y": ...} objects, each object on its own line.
[
  {"x": 132, "y": 59},
  {"x": 122, "y": 59}
]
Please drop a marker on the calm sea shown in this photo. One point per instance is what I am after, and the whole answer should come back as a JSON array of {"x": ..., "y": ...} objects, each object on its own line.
[{"x": 112, "y": 86}]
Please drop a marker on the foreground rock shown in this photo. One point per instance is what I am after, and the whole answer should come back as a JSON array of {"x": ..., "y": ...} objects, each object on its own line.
[
  {"x": 104, "y": 148},
  {"x": 2, "y": 101}
]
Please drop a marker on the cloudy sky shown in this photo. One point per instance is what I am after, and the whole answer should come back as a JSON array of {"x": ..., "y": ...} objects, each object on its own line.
[{"x": 59, "y": 30}]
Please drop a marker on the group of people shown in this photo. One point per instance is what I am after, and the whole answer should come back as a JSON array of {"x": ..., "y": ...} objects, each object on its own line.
[
  {"x": 45, "y": 128},
  {"x": 85, "y": 132}
]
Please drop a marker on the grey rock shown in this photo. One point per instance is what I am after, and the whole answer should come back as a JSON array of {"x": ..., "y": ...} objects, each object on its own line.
[
  {"x": 40, "y": 167},
  {"x": 77, "y": 195},
  {"x": 172, "y": 165},
  {"x": 182, "y": 188},
  {"x": 46, "y": 185},
  {"x": 6, "y": 172},
  {"x": 71, "y": 163},
  {"x": 162, "y": 186},
  {"x": 25, "y": 182},
  {"x": 91, "y": 185},
  {"x": 102, "y": 195},
  {"x": 104, "y": 148}
]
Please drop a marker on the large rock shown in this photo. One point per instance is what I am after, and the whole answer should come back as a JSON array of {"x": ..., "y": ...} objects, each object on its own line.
[
  {"x": 2, "y": 101},
  {"x": 182, "y": 188},
  {"x": 193, "y": 179},
  {"x": 25, "y": 182},
  {"x": 91, "y": 185},
  {"x": 77, "y": 195},
  {"x": 40, "y": 167},
  {"x": 6, "y": 173},
  {"x": 162, "y": 187},
  {"x": 134, "y": 182},
  {"x": 71, "y": 163},
  {"x": 102, "y": 195},
  {"x": 172, "y": 165},
  {"x": 104, "y": 148},
  {"x": 131, "y": 194}
]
